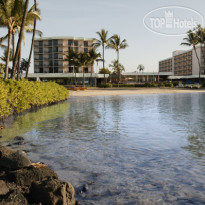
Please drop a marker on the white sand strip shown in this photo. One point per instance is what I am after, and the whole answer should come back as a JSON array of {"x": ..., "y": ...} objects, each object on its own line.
[{"x": 132, "y": 91}]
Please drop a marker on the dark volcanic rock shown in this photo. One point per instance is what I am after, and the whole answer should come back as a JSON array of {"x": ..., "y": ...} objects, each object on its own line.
[
  {"x": 14, "y": 197},
  {"x": 18, "y": 138},
  {"x": 25, "y": 177},
  {"x": 52, "y": 192},
  {"x": 23, "y": 182},
  {"x": 12, "y": 160}
]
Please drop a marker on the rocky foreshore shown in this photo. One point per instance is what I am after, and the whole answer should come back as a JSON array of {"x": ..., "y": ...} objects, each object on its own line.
[{"x": 23, "y": 182}]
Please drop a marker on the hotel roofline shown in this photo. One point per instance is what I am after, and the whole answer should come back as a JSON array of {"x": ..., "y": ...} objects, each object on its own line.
[{"x": 64, "y": 38}]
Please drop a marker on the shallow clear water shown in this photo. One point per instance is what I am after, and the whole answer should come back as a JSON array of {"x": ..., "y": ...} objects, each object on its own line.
[{"x": 141, "y": 149}]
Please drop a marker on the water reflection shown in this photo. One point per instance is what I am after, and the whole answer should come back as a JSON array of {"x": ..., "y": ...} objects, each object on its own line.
[{"x": 31, "y": 120}]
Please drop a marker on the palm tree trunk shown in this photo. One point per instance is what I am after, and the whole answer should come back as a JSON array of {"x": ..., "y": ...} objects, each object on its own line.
[
  {"x": 104, "y": 60},
  {"x": 118, "y": 71},
  {"x": 8, "y": 55},
  {"x": 20, "y": 39},
  {"x": 198, "y": 63},
  {"x": 83, "y": 77},
  {"x": 13, "y": 42},
  {"x": 19, "y": 65},
  {"x": 32, "y": 43}
]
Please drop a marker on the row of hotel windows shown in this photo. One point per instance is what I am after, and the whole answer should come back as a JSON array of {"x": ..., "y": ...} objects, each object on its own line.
[
  {"x": 56, "y": 70},
  {"x": 55, "y": 43},
  {"x": 55, "y": 49}
]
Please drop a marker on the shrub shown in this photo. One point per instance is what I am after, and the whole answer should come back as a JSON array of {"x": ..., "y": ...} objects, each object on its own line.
[
  {"x": 18, "y": 96},
  {"x": 105, "y": 85},
  {"x": 123, "y": 85},
  {"x": 169, "y": 85},
  {"x": 175, "y": 83}
]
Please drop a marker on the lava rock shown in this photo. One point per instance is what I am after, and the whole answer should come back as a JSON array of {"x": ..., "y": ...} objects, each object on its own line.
[
  {"x": 26, "y": 176},
  {"x": 18, "y": 138},
  {"x": 13, "y": 160},
  {"x": 3, "y": 188},
  {"x": 52, "y": 192}
]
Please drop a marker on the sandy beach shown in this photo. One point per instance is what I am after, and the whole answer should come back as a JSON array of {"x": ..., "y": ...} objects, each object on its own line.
[{"x": 131, "y": 91}]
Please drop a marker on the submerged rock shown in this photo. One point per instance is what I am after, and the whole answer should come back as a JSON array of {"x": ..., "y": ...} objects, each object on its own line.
[{"x": 19, "y": 138}]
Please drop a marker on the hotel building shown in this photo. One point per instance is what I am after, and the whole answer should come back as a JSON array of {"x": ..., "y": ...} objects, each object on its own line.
[
  {"x": 50, "y": 54},
  {"x": 183, "y": 63}
]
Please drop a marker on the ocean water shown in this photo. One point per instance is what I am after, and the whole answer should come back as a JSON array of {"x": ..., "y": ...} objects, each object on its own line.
[{"x": 139, "y": 149}]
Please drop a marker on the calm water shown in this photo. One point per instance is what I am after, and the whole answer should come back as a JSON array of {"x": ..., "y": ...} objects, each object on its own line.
[{"x": 142, "y": 149}]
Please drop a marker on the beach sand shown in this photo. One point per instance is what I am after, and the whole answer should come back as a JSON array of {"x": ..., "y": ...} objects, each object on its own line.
[{"x": 131, "y": 91}]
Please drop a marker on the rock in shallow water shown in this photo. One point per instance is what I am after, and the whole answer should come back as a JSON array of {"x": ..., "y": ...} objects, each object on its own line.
[
  {"x": 13, "y": 160},
  {"x": 22, "y": 183},
  {"x": 52, "y": 192}
]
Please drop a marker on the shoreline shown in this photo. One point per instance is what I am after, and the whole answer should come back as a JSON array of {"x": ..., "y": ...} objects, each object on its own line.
[{"x": 130, "y": 91}]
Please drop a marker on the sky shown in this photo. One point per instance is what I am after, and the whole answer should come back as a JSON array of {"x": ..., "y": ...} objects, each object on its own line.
[{"x": 83, "y": 18}]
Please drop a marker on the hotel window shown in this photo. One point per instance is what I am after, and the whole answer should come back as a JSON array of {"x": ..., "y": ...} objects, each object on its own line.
[
  {"x": 55, "y": 63},
  {"x": 70, "y": 42},
  {"x": 40, "y": 70},
  {"x": 40, "y": 49},
  {"x": 41, "y": 63},
  {"x": 50, "y": 43},
  {"x": 40, "y": 43},
  {"x": 75, "y": 43},
  {"x": 76, "y": 49},
  {"x": 50, "y": 69},
  {"x": 55, "y": 49},
  {"x": 55, "y": 42},
  {"x": 55, "y": 69},
  {"x": 85, "y": 50},
  {"x": 70, "y": 69},
  {"x": 85, "y": 43},
  {"x": 50, "y": 56},
  {"x": 50, "y": 63},
  {"x": 55, "y": 56},
  {"x": 86, "y": 70},
  {"x": 50, "y": 50},
  {"x": 40, "y": 56}
]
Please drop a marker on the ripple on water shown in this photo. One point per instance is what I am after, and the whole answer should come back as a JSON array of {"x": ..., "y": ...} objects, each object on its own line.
[{"x": 144, "y": 149}]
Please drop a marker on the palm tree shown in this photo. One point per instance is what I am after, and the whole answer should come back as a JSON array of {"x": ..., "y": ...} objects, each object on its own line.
[
  {"x": 200, "y": 33},
  {"x": 102, "y": 41},
  {"x": 7, "y": 10},
  {"x": 116, "y": 43},
  {"x": 192, "y": 40},
  {"x": 93, "y": 56},
  {"x": 20, "y": 38},
  {"x": 83, "y": 61},
  {"x": 140, "y": 67},
  {"x": 117, "y": 67},
  {"x": 72, "y": 58},
  {"x": 37, "y": 11},
  {"x": 32, "y": 14}
]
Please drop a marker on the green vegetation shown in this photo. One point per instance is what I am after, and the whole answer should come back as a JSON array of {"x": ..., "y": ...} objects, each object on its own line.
[
  {"x": 79, "y": 59},
  {"x": 105, "y": 85},
  {"x": 116, "y": 44},
  {"x": 102, "y": 41},
  {"x": 18, "y": 96},
  {"x": 124, "y": 85},
  {"x": 16, "y": 17},
  {"x": 161, "y": 85},
  {"x": 194, "y": 38},
  {"x": 104, "y": 71}
]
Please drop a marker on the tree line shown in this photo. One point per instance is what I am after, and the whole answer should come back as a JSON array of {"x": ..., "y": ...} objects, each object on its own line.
[{"x": 18, "y": 19}]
